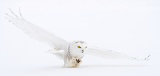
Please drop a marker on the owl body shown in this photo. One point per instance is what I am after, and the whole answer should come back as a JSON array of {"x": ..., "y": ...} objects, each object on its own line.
[{"x": 74, "y": 54}]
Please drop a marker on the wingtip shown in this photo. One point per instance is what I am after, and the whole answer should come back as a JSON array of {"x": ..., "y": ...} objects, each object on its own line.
[
  {"x": 147, "y": 58},
  {"x": 9, "y": 9},
  {"x": 20, "y": 12}
]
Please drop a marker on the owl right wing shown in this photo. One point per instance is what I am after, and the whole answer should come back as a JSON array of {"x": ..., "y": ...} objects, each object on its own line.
[
  {"x": 36, "y": 32},
  {"x": 109, "y": 54}
]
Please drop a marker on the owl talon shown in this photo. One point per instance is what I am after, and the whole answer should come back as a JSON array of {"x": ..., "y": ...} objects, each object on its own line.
[{"x": 78, "y": 61}]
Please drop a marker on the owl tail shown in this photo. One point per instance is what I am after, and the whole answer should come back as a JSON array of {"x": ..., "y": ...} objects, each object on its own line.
[{"x": 59, "y": 53}]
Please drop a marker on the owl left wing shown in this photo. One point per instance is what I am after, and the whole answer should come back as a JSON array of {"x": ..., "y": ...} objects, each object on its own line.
[{"x": 104, "y": 53}]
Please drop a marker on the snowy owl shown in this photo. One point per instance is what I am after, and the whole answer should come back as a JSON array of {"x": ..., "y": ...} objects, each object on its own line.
[{"x": 71, "y": 53}]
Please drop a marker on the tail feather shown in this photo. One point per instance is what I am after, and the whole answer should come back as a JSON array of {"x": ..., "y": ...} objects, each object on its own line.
[{"x": 58, "y": 53}]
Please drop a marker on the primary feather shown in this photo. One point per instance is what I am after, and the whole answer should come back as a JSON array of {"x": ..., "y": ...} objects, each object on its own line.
[
  {"x": 37, "y": 33},
  {"x": 104, "y": 53}
]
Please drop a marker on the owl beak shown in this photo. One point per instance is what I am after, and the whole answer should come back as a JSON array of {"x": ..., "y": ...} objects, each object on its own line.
[{"x": 82, "y": 51}]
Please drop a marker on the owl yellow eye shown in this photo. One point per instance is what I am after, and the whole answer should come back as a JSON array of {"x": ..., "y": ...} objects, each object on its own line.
[{"x": 78, "y": 46}]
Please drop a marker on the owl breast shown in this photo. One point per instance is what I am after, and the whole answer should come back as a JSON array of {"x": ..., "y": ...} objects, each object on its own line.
[{"x": 76, "y": 54}]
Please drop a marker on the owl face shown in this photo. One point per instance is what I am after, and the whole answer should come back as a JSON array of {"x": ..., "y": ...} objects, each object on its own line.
[{"x": 78, "y": 48}]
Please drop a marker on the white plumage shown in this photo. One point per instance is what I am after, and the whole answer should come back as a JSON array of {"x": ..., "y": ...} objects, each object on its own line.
[{"x": 71, "y": 53}]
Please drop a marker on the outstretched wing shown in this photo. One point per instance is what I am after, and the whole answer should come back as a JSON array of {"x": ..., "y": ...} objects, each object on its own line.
[
  {"x": 36, "y": 32},
  {"x": 104, "y": 53}
]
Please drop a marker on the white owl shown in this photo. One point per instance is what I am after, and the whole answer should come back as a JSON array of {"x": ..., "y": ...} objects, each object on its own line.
[{"x": 72, "y": 53}]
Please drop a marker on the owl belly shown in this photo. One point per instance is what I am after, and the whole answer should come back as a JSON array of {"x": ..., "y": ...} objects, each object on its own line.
[
  {"x": 72, "y": 60},
  {"x": 72, "y": 63}
]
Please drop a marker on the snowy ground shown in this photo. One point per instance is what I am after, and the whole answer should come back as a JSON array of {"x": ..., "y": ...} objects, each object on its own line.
[{"x": 130, "y": 27}]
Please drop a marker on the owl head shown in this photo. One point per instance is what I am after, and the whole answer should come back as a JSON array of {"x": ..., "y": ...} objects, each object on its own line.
[{"x": 78, "y": 48}]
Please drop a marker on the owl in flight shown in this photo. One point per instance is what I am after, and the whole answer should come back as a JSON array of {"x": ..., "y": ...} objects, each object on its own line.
[{"x": 70, "y": 52}]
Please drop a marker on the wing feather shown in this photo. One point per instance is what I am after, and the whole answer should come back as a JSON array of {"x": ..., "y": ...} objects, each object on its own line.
[
  {"x": 37, "y": 33},
  {"x": 104, "y": 53}
]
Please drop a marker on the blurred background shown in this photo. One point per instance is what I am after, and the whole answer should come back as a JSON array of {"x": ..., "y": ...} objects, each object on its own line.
[{"x": 130, "y": 27}]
